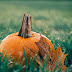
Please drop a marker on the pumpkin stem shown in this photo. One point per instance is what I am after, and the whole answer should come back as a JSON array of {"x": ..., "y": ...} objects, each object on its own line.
[{"x": 26, "y": 26}]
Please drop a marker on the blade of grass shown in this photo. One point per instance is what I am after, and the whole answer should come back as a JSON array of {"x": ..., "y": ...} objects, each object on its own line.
[{"x": 26, "y": 62}]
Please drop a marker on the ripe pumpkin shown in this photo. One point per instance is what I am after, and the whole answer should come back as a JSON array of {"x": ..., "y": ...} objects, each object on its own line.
[
  {"x": 33, "y": 43},
  {"x": 13, "y": 44}
]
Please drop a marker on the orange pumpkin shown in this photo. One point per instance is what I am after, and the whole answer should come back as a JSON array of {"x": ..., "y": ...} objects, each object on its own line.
[
  {"x": 13, "y": 44},
  {"x": 32, "y": 42}
]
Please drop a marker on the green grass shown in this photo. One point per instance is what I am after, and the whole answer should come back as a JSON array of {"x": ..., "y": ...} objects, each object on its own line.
[
  {"x": 8, "y": 64},
  {"x": 52, "y": 19}
]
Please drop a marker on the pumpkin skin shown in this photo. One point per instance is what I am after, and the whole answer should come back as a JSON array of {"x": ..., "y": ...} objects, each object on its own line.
[{"x": 14, "y": 44}]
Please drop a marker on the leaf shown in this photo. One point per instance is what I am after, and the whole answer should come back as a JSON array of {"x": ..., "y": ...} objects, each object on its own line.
[
  {"x": 44, "y": 48},
  {"x": 60, "y": 54},
  {"x": 61, "y": 57}
]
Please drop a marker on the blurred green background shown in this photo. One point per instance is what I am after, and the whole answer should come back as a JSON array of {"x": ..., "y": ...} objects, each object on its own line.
[{"x": 50, "y": 18}]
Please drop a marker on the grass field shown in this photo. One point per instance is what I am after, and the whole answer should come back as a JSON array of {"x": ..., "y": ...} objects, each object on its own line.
[{"x": 52, "y": 19}]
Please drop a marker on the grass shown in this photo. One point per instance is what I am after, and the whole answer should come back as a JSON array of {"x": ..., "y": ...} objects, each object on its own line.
[
  {"x": 52, "y": 19},
  {"x": 8, "y": 64}
]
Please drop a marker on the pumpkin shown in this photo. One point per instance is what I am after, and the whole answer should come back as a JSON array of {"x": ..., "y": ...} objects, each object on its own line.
[
  {"x": 32, "y": 42},
  {"x": 14, "y": 43}
]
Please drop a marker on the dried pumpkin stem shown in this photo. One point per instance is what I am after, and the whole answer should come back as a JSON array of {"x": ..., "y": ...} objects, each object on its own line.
[{"x": 26, "y": 26}]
